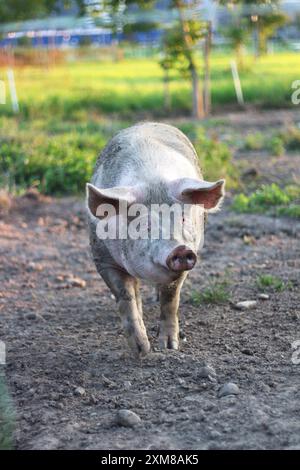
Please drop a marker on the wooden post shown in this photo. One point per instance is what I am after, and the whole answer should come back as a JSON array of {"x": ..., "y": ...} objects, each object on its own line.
[
  {"x": 13, "y": 91},
  {"x": 237, "y": 83}
]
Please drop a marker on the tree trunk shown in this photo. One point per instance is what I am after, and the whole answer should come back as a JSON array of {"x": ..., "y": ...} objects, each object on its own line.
[
  {"x": 167, "y": 95},
  {"x": 207, "y": 94},
  {"x": 198, "y": 111}
]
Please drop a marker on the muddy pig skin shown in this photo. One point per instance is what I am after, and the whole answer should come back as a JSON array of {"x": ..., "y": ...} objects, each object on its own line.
[{"x": 149, "y": 164}]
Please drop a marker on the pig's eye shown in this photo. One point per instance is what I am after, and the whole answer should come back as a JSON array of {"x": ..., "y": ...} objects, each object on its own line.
[{"x": 183, "y": 219}]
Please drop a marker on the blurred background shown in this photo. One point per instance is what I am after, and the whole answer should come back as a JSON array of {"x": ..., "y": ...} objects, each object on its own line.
[{"x": 73, "y": 72}]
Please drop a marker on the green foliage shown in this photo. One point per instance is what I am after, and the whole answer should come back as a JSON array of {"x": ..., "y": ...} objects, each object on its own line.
[
  {"x": 237, "y": 35},
  {"x": 267, "y": 25},
  {"x": 57, "y": 163},
  {"x": 216, "y": 293},
  {"x": 271, "y": 199},
  {"x": 215, "y": 159},
  {"x": 176, "y": 54},
  {"x": 276, "y": 146},
  {"x": 291, "y": 138},
  {"x": 254, "y": 141},
  {"x": 215, "y": 156},
  {"x": 270, "y": 282},
  {"x": 7, "y": 417}
]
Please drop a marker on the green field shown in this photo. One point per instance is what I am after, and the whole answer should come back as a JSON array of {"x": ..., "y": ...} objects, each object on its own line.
[
  {"x": 136, "y": 85},
  {"x": 69, "y": 111}
]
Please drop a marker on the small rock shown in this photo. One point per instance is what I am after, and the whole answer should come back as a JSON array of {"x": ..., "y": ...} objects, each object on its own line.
[
  {"x": 246, "y": 304},
  {"x": 229, "y": 389},
  {"x": 128, "y": 418},
  {"x": 76, "y": 282},
  {"x": 127, "y": 384},
  {"x": 79, "y": 391},
  {"x": 263, "y": 296},
  {"x": 207, "y": 372}
]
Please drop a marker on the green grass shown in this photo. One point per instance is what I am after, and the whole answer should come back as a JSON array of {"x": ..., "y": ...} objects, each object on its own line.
[
  {"x": 216, "y": 293},
  {"x": 131, "y": 86},
  {"x": 270, "y": 199},
  {"x": 270, "y": 282},
  {"x": 7, "y": 417},
  {"x": 68, "y": 112},
  {"x": 58, "y": 156}
]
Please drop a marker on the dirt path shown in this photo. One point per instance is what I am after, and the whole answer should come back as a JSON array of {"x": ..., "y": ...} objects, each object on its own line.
[{"x": 61, "y": 335}]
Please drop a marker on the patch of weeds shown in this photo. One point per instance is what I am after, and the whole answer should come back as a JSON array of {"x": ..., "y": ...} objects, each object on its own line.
[
  {"x": 291, "y": 138},
  {"x": 270, "y": 282},
  {"x": 276, "y": 146},
  {"x": 215, "y": 293},
  {"x": 7, "y": 417},
  {"x": 254, "y": 141},
  {"x": 216, "y": 158},
  {"x": 269, "y": 199}
]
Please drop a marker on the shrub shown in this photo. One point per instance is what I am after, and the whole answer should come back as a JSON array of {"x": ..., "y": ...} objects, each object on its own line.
[{"x": 269, "y": 198}]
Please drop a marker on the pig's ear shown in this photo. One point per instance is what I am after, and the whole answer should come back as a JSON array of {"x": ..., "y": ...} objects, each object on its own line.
[
  {"x": 97, "y": 196},
  {"x": 192, "y": 191}
]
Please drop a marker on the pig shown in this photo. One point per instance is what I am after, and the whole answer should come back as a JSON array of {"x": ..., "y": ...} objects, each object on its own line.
[{"x": 149, "y": 164}]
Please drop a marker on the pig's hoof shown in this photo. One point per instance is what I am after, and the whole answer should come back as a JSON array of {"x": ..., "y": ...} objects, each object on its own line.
[
  {"x": 140, "y": 346},
  {"x": 168, "y": 342}
]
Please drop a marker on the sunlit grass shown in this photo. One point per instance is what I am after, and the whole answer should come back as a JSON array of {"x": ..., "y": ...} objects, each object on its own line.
[{"x": 134, "y": 85}]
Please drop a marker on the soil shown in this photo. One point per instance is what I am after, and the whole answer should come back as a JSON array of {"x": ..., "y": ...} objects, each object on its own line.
[{"x": 69, "y": 369}]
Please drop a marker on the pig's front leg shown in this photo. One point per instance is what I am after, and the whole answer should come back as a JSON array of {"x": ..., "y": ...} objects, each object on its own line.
[
  {"x": 138, "y": 297},
  {"x": 124, "y": 288},
  {"x": 169, "y": 303}
]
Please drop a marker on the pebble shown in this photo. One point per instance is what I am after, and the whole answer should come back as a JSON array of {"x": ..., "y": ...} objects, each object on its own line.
[
  {"x": 246, "y": 304},
  {"x": 79, "y": 391},
  {"x": 207, "y": 372},
  {"x": 76, "y": 282},
  {"x": 229, "y": 388},
  {"x": 263, "y": 296},
  {"x": 128, "y": 418},
  {"x": 127, "y": 384}
]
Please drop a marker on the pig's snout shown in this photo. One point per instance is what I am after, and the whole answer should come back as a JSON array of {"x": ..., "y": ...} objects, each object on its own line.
[{"x": 181, "y": 259}]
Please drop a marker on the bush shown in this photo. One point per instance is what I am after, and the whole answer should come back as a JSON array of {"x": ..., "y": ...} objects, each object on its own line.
[
  {"x": 254, "y": 141},
  {"x": 291, "y": 138},
  {"x": 269, "y": 198},
  {"x": 276, "y": 146}
]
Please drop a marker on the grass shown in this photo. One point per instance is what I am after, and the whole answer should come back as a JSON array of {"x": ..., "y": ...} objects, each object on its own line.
[
  {"x": 270, "y": 282},
  {"x": 58, "y": 156},
  {"x": 216, "y": 293},
  {"x": 131, "y": 86},
  {"x": 6, "y": 418},
  {"x": 270, "y": 199},
  {"x": 68, "y": 112}
]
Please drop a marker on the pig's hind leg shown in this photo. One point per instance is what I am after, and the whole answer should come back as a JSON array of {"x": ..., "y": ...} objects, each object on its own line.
[
  {"x": 125, "y": 289},
  {"x": 169, "y": 303}
]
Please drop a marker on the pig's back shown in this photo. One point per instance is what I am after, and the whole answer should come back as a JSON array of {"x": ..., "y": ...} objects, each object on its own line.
[{"x": 146, "y": 151}]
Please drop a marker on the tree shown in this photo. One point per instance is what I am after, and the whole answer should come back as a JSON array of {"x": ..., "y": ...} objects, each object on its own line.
[
  {"x": 18, "y": 10},
  {"x": 238, "y": 35},
  {"x": 179, "y": 47},
  {"x": 266, "y": 26}
]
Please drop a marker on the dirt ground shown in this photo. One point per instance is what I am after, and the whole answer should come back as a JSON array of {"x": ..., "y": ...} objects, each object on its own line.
[{"x": 62, "y": 332}]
